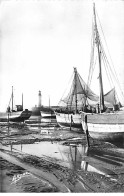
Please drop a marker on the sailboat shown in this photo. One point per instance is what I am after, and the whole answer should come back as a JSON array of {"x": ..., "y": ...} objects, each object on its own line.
[
  {"x": 16, "y": 114},
  {"x": 107, "y": 120},
  {"x": 70, "y": 107}
]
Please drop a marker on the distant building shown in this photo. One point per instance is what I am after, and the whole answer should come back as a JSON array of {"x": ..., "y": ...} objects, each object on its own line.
[{"x": 36, "y": 109}]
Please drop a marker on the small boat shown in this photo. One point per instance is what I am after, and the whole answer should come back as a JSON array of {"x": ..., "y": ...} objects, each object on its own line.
[
  {"x": 16, "y": 114},
  {"x": 70, "y": 107},
  {"x": 107, "y": 121},
  {"x": 47, "y": 112}
]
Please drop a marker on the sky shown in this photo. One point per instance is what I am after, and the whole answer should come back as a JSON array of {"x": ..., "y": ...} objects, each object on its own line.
[{"x": 42, "y": 40}]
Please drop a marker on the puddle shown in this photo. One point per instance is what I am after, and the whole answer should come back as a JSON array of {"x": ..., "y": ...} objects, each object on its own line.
[
  {"x": 76, "y": 157},
  {"x": 66, "y": 155}
]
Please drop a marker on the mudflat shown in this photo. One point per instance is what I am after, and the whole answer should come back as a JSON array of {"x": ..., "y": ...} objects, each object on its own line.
[{"x": 51, "y": 159}]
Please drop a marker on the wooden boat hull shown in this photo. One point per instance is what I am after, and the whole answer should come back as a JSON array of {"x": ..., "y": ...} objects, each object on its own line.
[
  {"x": 15, "y": 116},
  {"x": 108, "y": 127},
  {"x": 64, "y": 120}
]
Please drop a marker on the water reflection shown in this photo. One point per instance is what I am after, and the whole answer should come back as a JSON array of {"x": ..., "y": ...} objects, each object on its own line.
[
  {"x": 39, "y": 120},
  {"x": 37, "y": 123},
  {"x": 48, "y": 120},
  {"x": 75, "y": 157}
]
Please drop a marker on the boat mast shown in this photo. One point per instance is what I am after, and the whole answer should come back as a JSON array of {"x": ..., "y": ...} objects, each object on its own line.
[
  {"x": 12, "y": 98},
  {"x": 97, "y": 41},
  {"x": 22, "y": 101},
  {"x": 75, "y": 79}
]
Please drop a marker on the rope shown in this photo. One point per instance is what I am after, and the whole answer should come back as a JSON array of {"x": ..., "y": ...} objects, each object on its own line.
[
  {"x": 66, "y": 88},
  {"x": 112, "y": 70},
  {"x": 91, "y": 56}
]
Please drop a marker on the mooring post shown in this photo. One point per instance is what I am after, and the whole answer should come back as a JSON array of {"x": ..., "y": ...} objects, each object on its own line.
[
  {"x": 21, "y": 146},
  {"x": 11, "y": 145},
  {"x": 71, "y": 123},
  {"x": 86, "y": 130},
  {"x": 8, "y": 120}
]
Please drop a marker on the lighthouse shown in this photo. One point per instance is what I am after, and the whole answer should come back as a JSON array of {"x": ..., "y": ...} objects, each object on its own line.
[{"x": 39, "y": 99}]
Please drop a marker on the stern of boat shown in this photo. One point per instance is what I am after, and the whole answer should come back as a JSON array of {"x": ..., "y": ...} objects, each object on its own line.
[{"x": 26, "y": 114}]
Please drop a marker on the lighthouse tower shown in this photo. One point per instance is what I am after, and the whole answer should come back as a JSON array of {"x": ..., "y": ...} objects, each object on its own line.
[{"x": 39, "y": 99}]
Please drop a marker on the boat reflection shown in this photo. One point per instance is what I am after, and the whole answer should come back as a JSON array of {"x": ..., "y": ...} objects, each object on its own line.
[
  {"x": 93, "y": 160},
  {"x": 76, "y": 157}
]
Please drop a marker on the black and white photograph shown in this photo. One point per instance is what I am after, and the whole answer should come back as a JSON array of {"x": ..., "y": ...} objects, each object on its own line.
[{"x": 61, "y": 96}]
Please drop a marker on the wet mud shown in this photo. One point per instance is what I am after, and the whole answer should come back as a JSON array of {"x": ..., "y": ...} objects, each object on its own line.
[
  {"x": 47, "y": 158},
  {"x": 16, "y": 179}
]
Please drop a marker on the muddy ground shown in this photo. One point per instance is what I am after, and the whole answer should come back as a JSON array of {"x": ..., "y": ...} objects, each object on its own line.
[{"x": 23, "y": 172}]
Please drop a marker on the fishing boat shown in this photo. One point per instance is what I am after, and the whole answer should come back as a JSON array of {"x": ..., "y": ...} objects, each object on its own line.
[
  {"x": 15, "y": 114},
  {"x": 106, "y": 122},
  {"x": 70, "y": 107}
]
